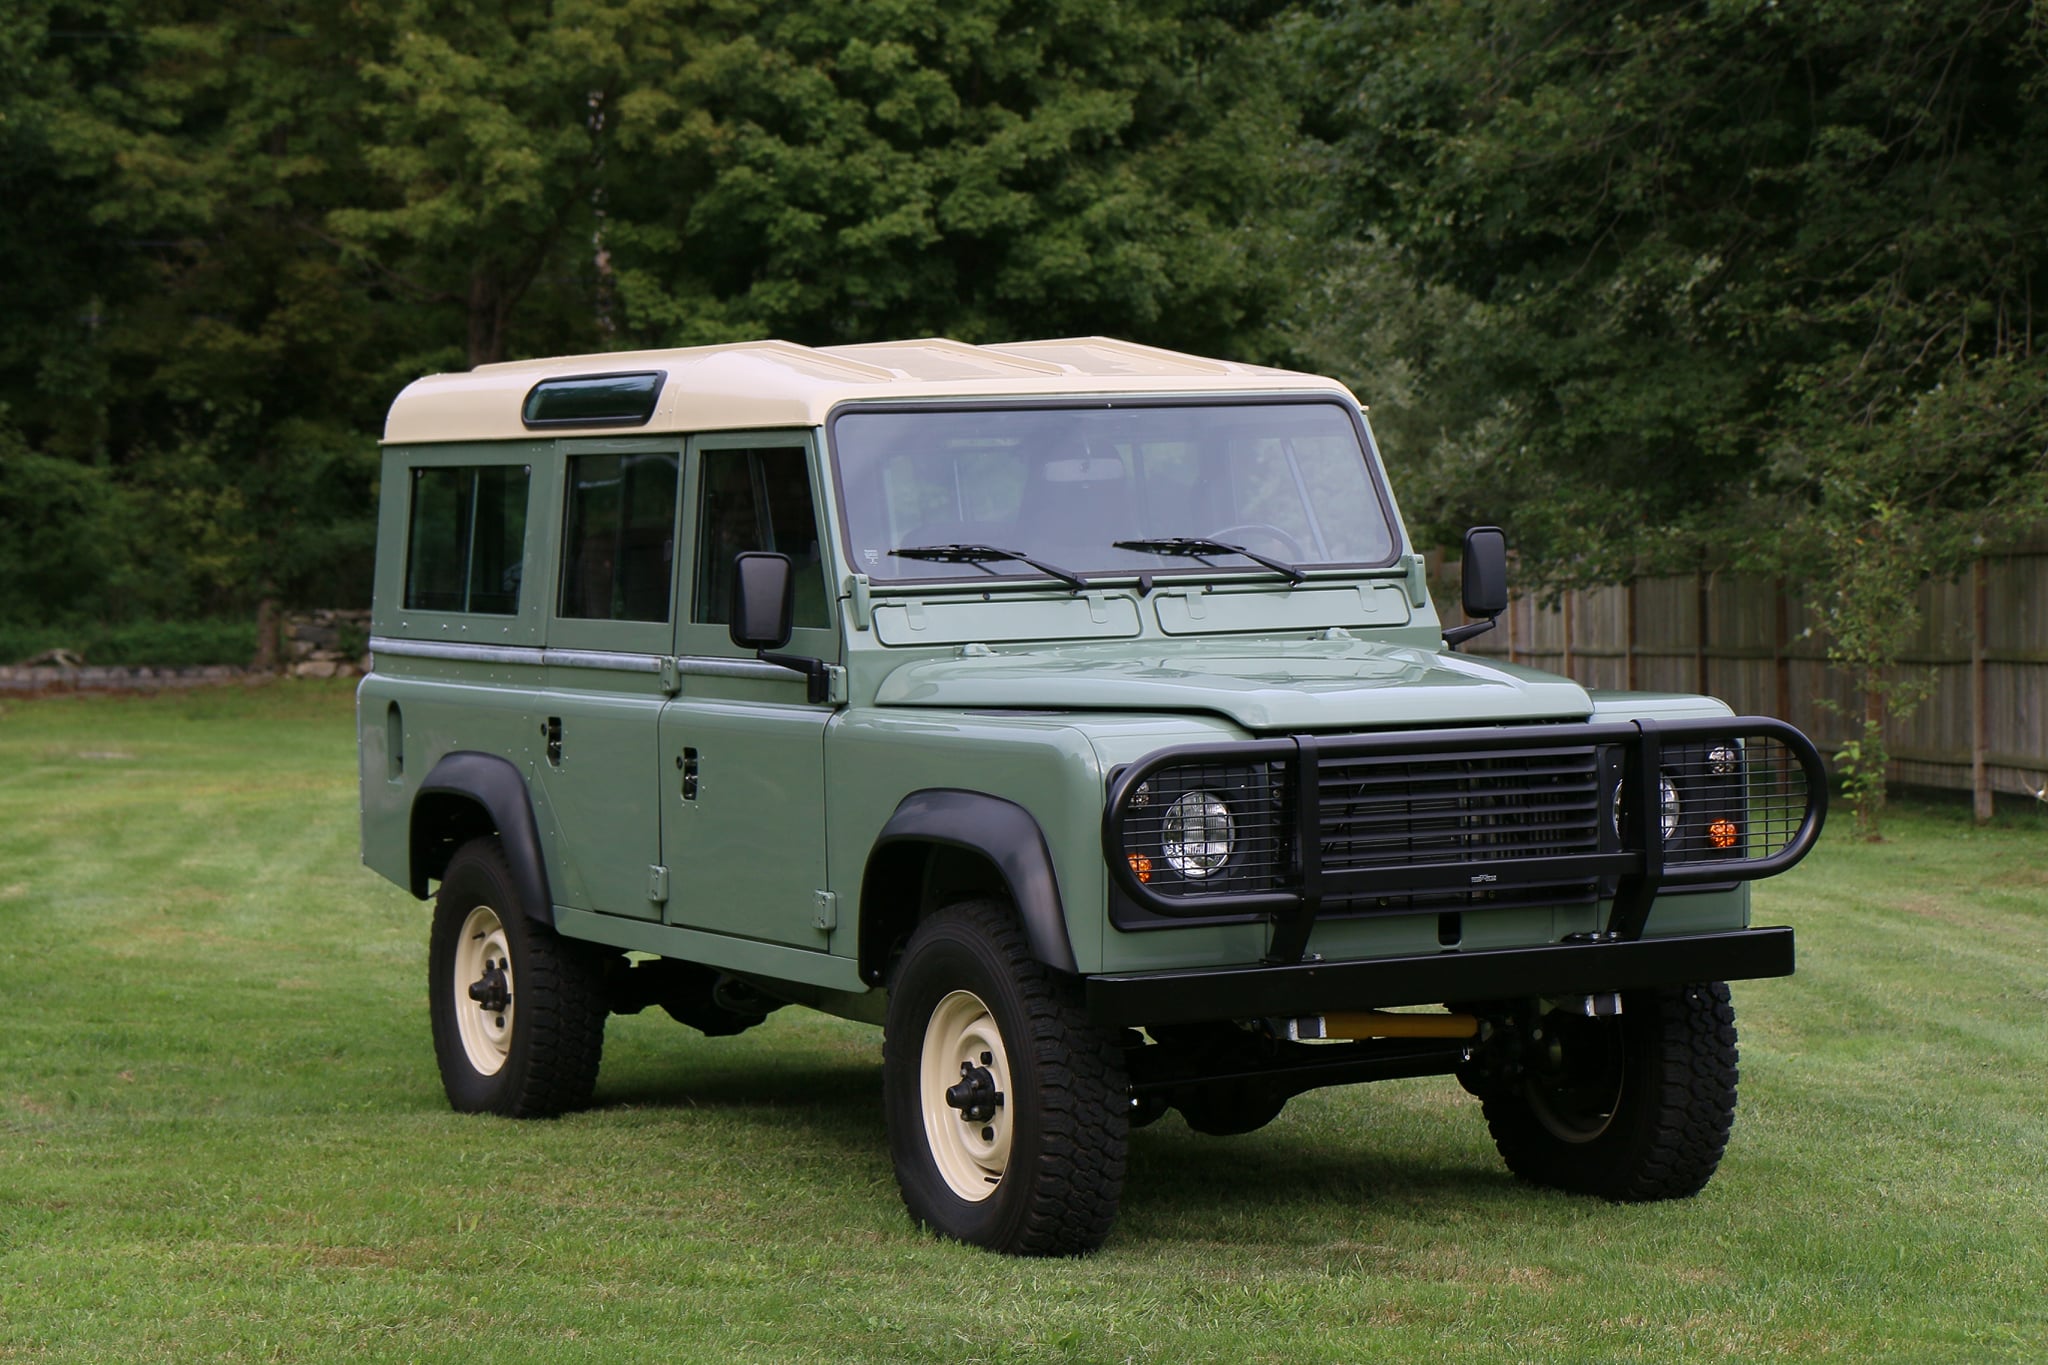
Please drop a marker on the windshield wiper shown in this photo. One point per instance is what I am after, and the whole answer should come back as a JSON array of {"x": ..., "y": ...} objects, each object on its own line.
[
  {"x": 1199, "y": 547},
  {"x": 982, "y": 555}
]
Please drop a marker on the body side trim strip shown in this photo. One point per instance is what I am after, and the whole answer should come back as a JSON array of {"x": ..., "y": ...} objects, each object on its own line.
[{"x": 690, "y": 665}]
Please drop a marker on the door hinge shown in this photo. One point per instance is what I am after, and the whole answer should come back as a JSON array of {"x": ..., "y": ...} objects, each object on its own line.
[
  {"x": 825, "y": 911},
  {"x": 657, "y": 885}
]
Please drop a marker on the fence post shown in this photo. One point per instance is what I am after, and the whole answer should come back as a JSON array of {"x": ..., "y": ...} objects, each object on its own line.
[
  {"x": 1781, "y": 651},
  {"x": 1699, "y": 633},
  {"x": 1628, "y": 633},
  {"x": 1980, "y": 768},
  {"x": 1567, "y": 668}
]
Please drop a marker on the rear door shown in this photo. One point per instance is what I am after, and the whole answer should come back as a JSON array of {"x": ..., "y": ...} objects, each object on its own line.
[{"x": 611, "y": 623}]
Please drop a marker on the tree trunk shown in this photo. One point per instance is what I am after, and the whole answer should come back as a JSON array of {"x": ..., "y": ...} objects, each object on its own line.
[{"x": 267, "y": 623}]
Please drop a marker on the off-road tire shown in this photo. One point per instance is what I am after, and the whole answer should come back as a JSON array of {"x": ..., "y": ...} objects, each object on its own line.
[
  {"x": 1667, "y": 1127},
  {"x": 1065, "y": 1102},
  {"x": 553, "y": 1031}
]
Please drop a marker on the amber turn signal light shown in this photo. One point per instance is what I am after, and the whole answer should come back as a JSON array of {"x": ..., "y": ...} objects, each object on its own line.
[
  {"x": 1141, "y": 865},
  {"x": 1723, "y": 833}
]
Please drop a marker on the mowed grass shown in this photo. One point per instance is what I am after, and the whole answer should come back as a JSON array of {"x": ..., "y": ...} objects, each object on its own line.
[{"x": 222, "y": 1137}]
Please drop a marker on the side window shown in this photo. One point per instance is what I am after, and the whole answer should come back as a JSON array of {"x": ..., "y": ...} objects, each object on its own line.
[
  {"x": 467, "y": 539},
  {"x": 619, "y": 537},
  {"x": 757, "y": 499}
]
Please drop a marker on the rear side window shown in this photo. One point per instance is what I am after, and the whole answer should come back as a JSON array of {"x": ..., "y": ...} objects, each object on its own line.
[
  {"x": 467, "y": 539},
  {"x": 619, "y": 537}
]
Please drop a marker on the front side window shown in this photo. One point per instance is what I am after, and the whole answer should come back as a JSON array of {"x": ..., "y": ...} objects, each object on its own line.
[
  {"x": 1289, "y": 480},
  {"x": 619, "y": 537},
  {"x": 466, "y": 541},
  {"x": 758, "y": 499}
]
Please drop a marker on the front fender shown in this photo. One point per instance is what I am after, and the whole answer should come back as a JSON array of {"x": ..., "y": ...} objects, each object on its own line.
[{"x": 1001, "y": 831}]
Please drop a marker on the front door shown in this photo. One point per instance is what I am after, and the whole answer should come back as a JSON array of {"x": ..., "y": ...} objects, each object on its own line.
[{"x": 743, "y": 752}]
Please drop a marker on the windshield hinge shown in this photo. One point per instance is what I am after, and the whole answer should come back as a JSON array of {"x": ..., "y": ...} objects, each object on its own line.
[{"x": 1418, "y": 580}]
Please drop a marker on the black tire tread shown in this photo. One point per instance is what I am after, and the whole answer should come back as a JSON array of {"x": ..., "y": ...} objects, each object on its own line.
[
  {"x": 1083, "y": 1121},
  {"x": 1669, "y": 1141},
  {"x": 561, "y": 1003}
]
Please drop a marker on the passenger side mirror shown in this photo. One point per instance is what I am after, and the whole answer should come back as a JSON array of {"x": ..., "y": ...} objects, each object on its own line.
[
  {"x": 763, "y": 600},
  {"x": 1486, "y": 582}
]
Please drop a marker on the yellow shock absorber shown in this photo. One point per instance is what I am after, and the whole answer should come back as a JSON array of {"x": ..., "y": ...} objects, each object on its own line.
[{"x": 1387, "y": 1024}]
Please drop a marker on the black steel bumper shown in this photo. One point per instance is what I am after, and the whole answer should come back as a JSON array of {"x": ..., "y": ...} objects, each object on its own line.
[{"x": 1302, "y": 988}]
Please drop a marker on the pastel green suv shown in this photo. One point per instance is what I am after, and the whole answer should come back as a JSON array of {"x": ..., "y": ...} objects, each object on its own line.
[{"x": 1074, "y": 710}]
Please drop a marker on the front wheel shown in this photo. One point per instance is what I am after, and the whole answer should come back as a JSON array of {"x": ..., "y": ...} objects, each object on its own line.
[
  {"x": 1007, "y": 1109},
  {"x": 1631, "y": 1108},
  {"x": 518, "y": 1012}
]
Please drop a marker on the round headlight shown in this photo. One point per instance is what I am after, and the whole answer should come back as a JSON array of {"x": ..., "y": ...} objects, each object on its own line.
[
  {"x": 1667, "y": 806},
  {"x": 1196, "y": 836}
]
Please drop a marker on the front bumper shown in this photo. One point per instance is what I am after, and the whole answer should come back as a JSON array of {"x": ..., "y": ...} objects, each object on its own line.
[{"x": 1302, "y": 988}]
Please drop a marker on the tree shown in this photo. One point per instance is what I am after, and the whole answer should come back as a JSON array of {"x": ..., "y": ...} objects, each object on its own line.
[{"x": 1739, "y": 283}]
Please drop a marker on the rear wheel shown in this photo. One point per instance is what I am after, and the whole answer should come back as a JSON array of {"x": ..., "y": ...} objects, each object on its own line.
[
  {"x": 518, "y": 1012},
  {"x": 1631, "y": 1108},
  {"x": 1007, "y": 1108}
]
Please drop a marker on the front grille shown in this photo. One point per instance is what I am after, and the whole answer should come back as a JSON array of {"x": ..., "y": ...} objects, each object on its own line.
[
  {"x": 1447, "y": 820},
  {"x": 1380, "y": 814}
]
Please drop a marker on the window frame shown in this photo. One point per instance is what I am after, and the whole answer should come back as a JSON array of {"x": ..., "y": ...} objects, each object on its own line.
[
  {"x": 605, "y": 633},
  {"x": 1006, "y": 573},
  {"x": 704, "y": 639}
]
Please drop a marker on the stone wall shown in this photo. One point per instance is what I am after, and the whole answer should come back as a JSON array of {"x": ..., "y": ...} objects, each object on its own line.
[{"x": 326, "y": 644}]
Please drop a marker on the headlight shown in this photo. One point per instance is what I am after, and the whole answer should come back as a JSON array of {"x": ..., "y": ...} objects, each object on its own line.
[
  {"x": 1667, "y": 807},
  {"x": 1196, "y": 835}
]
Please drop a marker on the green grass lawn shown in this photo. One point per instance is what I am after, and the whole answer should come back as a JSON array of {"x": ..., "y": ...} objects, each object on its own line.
[{"x": 221, "y": 1134}]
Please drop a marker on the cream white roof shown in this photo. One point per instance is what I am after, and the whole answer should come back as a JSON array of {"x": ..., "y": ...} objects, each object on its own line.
[{"x": 781, "y": 384}]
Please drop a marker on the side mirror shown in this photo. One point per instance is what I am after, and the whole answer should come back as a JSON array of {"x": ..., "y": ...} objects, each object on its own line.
[
  {"x": 1486, "y": 582},
  {"x": 1486, "y": 572},
  {"x": 763, "y": 600}
]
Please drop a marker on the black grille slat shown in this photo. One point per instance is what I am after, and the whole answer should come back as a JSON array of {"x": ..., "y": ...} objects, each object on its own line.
[{"x": 1380, "y": 815}]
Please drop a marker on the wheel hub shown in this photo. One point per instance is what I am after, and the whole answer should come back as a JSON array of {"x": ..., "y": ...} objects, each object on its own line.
[
  {"x": 963, "y": 1073},
  {"x": 976, "y": 1097},
  {"x": 483, "y": 973},
  {"x": 491, "y": 991}
]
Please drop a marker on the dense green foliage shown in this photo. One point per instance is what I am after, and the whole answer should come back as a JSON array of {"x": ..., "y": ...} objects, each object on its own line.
[
  {"x": 242, "y": 228},
  {"x": 1692, "y": 266},
  {"x": 222, "y": 1136},
  {"x": 1724, "y": 282}
]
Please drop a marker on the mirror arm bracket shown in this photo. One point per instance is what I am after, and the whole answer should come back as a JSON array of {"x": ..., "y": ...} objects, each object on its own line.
[
  {"x": 1458, "y": 635},
  {"x": 817, "y": 673}
]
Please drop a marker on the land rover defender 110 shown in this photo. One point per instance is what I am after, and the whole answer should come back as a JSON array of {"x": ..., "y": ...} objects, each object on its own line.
[{"x": 1074, "y": 710}]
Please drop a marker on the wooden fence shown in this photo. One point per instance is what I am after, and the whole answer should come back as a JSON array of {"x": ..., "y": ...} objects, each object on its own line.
[{"x": 1758, "y": 644}]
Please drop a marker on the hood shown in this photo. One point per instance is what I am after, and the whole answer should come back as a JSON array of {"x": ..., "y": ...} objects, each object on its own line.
[{"x": 1260, "y": 684}]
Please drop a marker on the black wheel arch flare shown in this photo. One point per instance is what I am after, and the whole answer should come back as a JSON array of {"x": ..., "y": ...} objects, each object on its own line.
[
  {"x": 1000, "y": 831},
  {"x": 465, "y": 792}
]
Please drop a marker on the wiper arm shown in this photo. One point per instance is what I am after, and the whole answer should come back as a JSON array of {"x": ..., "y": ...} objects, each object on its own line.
[
  {"x": 1199, "y": 547},
  {"x": 984, "y": 554}
]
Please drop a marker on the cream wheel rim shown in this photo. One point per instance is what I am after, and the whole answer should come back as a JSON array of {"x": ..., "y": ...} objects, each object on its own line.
[
  {"x": 481, "y": 951},
  {"x": 970, "y": 1145}
]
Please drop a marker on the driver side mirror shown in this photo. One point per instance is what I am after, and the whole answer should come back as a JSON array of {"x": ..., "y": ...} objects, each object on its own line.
[
  {"x": 764, "y": 610},
  {"x": 763, "y": 600},
  {"x": 1486, "y": 582}
]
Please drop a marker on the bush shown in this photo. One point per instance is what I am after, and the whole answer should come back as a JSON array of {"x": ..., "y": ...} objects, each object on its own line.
[{"x": 153, "y": 644}]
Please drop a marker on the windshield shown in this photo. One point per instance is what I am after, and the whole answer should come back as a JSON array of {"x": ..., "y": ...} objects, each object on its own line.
[{"x": 1282, "y": 479}]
